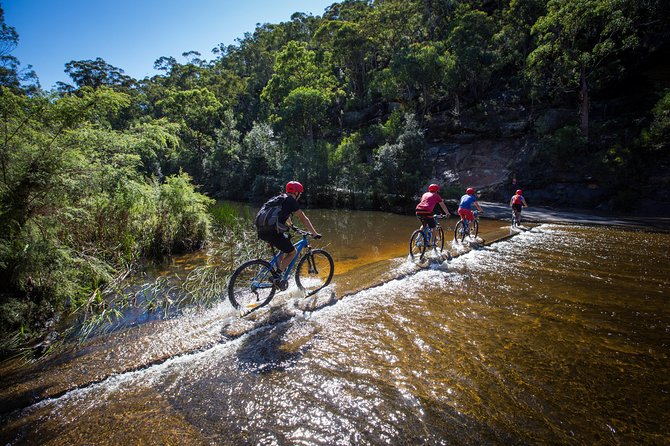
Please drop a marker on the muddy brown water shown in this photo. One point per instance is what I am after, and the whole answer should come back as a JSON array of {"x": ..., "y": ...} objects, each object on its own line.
[{"x": 557, "y": 335}]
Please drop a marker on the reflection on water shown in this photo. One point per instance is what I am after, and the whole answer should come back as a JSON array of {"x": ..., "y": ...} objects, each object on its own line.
[{"x": 560, "y": 335}]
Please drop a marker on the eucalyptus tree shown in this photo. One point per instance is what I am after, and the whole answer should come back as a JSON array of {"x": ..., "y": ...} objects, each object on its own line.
[
  {"x": 579, "y": 48},
  {"x": 344, "y": 32},
  {"x": 95, "y": 73},
  {"x": 198, "y": 113},
  {"x": 11, "y": 73},
  {"x": 471, "y": 55}
]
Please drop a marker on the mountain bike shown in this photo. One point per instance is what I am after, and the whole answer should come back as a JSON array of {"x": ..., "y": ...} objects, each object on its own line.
[
  {"x": 465, "y": 228},
  {"x": 426, "y": 238},
  {"x": 254, "y": 283}
]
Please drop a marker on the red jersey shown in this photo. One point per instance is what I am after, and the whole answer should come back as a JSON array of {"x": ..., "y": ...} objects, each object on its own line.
[
  {"x": 517, "y": 199},
  {"x": 428, "y": 202}
]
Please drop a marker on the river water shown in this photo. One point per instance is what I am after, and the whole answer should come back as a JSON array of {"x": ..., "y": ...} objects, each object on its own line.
[{"x": 558, "y": 335}]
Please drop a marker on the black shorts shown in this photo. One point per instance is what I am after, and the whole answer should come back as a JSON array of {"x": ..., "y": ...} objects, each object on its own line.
[
  {"x": 279, "y": 241},
  {"x": 427, "y": 219},
  {"x": 517, "y": 207}
]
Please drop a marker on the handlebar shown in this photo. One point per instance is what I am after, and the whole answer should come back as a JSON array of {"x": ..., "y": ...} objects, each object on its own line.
[{"x": 304, "y": 233}]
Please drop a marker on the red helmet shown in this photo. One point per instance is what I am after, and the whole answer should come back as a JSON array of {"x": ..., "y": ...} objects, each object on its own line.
[
  {"x": 470, "y": 191},
  {"x": 293, "y": 187},
  {"x": 519, "y": 192},
  {"x": 433, "y": 188}
]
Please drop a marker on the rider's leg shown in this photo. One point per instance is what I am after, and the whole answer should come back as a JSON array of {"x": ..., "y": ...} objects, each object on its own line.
[{"x": 285, "y": 259}]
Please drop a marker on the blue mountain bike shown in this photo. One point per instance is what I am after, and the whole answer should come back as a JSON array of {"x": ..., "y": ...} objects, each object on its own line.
[
  {"x": 254, "y": 283},
  {"x": 464, "y": 228},
  {"x": 425, "y": 239}
]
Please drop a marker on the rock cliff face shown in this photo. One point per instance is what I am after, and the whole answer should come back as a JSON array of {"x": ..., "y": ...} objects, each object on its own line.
[{"x": 500, "y": 151}]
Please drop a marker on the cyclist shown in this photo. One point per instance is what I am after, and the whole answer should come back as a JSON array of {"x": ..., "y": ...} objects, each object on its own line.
[
  {"x": 517, "y": 201},
  {"x": 426, "y": 207},
  {"x": 465, "y": 206},
  {"x": 276, "y": 234}
]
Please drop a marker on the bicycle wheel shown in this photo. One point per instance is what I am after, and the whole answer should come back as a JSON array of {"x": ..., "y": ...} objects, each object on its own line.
[
  {"x": 417, "y": 245},
  {"x": 439, "y": 239},
  {"x": 474, "y": 229},
  {"x": 314, "y": 271},
  {"x": 514, "y": 221},
  {"x": 459, "y": 232},
  {"x": 251, "y": 286}
]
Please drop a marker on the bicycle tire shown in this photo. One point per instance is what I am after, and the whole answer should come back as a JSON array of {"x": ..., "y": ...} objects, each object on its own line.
[
  {"x": 459, "y": 232},
  {"x": 314, "y": 271},
  {"x": 439, "y": 239},
  {"x": 250, "y": 286},
  {"x": 417, "y": 245},
  {"x": 474, "y": 229}
]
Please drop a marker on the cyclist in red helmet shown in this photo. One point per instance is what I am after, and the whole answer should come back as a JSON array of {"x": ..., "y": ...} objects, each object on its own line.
[
  {"x": 426, "y": 207},
  {"x": 465, "y": 206},
  {"x": 273, "y": 228},
  {"x": 517, "y": 202}
]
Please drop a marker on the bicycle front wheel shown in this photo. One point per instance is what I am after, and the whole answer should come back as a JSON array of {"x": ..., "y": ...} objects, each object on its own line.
[
  {"x": 251, "y": 286},
  {"x": 474, "y": 229},
  {"x": 459, "y": 231},
  {"x": 314, "y": 271},
  {"x": 439, "y": 239},
  {"x": 417, "y": 245}
]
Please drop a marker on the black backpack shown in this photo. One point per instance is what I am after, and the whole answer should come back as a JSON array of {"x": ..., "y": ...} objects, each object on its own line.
[{"x": 267, "y": 219}]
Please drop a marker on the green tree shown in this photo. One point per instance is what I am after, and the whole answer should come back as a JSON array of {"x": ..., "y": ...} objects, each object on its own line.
[
  {"x": 579, "y": 44},
  {"x": 95, "y": 73},
  {"x": 471, "y": 56},
  {"x": 11, "y": 74},
  {"x": 300, "y": 91}
]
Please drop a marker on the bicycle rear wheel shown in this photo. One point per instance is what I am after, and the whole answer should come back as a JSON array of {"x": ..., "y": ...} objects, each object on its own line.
[
  {"x": 417, "y": 245},
  {"x": 251, "y": 286},
  {"x": 459, "y": 232},
  {"x": 314, "y": 271}
]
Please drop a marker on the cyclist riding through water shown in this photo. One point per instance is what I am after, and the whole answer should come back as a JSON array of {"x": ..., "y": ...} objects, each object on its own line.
[
  {"x": 426, "y": 207},
  {"x": 275, "y": 233},
  {"x": 517, "y": 202},
  {"x": 465, "y": 206}
]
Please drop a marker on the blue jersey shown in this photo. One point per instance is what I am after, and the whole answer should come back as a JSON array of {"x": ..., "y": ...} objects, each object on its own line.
[{"x": 467, "y": 201}]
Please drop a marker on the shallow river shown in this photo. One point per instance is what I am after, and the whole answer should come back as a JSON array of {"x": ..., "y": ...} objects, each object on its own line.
[{"x": 558, "y": 335}]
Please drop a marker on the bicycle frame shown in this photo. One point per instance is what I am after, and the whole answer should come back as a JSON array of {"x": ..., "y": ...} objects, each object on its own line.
[
  {"x": 299, "y": 246},
  {"x": 428, "y": 232},
  {"x": 466, "y": 222}
]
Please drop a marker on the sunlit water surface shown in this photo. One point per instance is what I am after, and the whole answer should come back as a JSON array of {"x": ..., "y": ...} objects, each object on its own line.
[{"x": 559, "y": 335}]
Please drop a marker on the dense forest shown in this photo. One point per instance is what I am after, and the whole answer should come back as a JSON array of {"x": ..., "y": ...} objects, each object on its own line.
[{"x": 108, "y": 170}]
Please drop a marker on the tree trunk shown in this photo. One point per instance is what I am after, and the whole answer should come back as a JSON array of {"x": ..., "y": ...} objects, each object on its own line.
[{"x": 584, "y": 106}]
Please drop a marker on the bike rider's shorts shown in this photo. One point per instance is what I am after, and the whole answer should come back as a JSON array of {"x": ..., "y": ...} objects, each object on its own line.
[
  {"x": 427, "y": 219},
  {"x": 280, "y": 241},
  {"x": 466, "y": 214},
  {"x": 517, "y": 207}
]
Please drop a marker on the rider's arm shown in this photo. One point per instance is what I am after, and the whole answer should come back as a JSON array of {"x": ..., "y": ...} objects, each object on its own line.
[
  {"x": 478, "y": 206},
  {"x": 523, "y": 200},
  {"x": 444, "y": 208},
  {"x": 305, "y": 221}
]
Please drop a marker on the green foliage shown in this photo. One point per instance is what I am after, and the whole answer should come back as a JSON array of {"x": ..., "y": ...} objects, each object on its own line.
[
  {"x": 397, "y": 165},
  {"x": 564, "y": 148},
  {"x": 657, "y": 137},
  {"x": 579, "y": 40}
]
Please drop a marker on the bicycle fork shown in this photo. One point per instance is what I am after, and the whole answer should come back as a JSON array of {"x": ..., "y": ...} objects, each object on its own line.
[{"x": 311, "y": 264}]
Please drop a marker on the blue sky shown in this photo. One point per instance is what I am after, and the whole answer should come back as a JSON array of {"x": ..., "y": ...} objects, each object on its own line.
[{"x": 131, "y": 35}]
